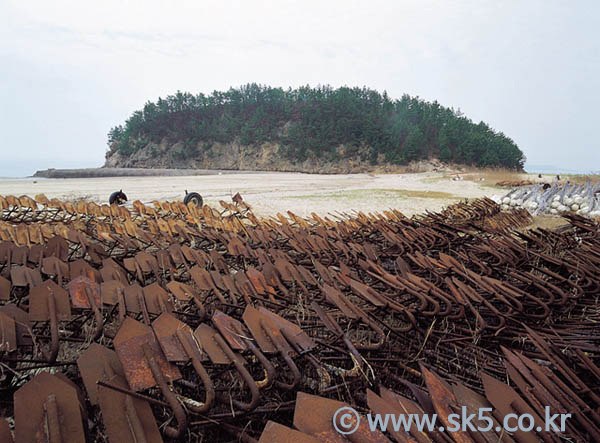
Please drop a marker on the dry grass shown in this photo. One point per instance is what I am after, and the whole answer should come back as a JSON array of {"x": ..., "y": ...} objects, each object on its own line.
[
  {"x": 492, "y": 176},
  {"x": 377, "y": 193},
  {"x": 582, "y": 179}
]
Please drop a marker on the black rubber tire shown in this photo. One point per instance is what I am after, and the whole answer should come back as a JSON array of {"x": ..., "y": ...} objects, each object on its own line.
[
  {"x": 193, "y": 197},
  {"x": 117, "y": 197}
]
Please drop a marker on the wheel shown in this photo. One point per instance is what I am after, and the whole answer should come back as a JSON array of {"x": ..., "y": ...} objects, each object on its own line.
[
  {"x": 193, "y": 197},
  {"x": 117, "y": 197}
]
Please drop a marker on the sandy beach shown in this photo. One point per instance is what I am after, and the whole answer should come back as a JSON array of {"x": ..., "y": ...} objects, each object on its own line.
[{"x": 269, "y": 193}]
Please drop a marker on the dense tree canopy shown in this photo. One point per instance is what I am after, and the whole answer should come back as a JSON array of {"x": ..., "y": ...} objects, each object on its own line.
[{"x": 314, "y": 121}]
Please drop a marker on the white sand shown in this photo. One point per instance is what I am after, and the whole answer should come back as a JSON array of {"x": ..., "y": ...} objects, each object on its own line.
[{"x": 270, "y": 193}]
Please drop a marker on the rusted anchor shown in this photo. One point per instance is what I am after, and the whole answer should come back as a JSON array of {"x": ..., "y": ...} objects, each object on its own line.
[
  {"x": 54, "y": 266},
  {"x": 220, "y": 353},
  {"x": 179, "y": 345},
  {"x": 48, "y": 408},
  {"x": 112, "y": 293},
  {"x": 184, "y": 293},
  {"x": 145, "y": 366},
  {"x": 122, "y": 414},
  {"x": 270, "y": 340},
  {"x": 85, "y": 294},
  {"x": 50, "y": 302},
  {"x": 332, "y": 326},
  {"x": 240, "y": 339}
]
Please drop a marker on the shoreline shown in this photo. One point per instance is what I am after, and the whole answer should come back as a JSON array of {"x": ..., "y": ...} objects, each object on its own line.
[
  {"x": 269, "y": 192},
  {"x": 132, "y": 172}
]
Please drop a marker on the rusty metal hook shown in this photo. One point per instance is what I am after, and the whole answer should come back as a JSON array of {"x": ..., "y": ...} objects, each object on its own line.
[{"x": 174, "y": 403}]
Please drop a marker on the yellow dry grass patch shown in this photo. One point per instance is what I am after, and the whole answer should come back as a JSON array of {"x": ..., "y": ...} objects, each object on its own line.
[
  {"x": 493, "y": 176},
  {"x": 582, "y": 179},
  {"x": 377, "y": 193}
]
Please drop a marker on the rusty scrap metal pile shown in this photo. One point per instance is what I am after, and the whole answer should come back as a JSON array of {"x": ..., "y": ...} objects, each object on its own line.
[{"x": 169, "y": 321}]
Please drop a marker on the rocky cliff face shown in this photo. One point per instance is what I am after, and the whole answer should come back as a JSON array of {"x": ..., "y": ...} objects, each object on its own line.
[{"x": 267, "y": 157}]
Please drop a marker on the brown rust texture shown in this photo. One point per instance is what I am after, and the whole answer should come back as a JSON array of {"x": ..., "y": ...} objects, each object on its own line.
[{"x": 374, "y": 311}]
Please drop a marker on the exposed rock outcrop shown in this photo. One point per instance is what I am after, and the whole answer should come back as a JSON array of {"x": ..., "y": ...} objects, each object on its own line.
[{"x": 266, "y": 157}]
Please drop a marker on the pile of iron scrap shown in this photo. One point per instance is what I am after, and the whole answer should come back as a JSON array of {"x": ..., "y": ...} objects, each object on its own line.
[{"x": 186, "y": 323}]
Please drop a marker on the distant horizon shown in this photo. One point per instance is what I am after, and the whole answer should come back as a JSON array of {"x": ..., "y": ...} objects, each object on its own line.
[
  {"x": 551, "y": 169},
  {"x": 20, "y": 170}
]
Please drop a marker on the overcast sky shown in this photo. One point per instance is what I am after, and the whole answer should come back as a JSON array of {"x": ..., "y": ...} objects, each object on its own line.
[{"x": 71, "y": 70}]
